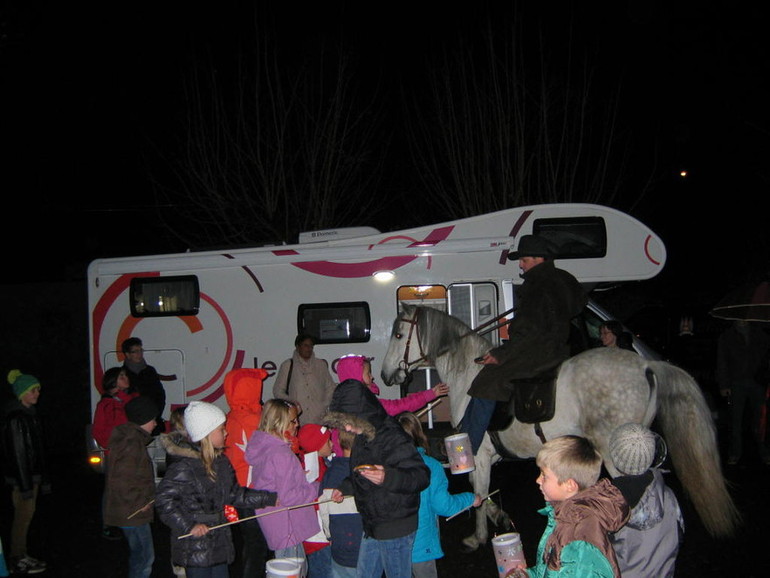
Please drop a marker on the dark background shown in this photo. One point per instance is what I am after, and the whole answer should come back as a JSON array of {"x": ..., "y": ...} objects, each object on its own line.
[{"x": 93, "y": 92}]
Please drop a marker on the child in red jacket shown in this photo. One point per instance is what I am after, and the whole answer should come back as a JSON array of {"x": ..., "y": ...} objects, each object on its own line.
[
  {"x": 315, "y": 443},
  {"x": 111, "y": 409}
]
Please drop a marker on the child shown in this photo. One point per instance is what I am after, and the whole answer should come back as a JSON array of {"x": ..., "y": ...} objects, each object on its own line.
[
  {"x": 435, "y": 500},
  {"x": 341, "y": 521},
  {"x": 176, "y": 435},
  {"x": 192, "y": 496},
  {"x": 648, "y": 544},
  {"x": 25, "y": 466},
  {"x": 386, "y": 480},
  {"x": 111, "y": 412},
  {"x": 316, "y": 445},
  {"x": 359, "y": 368},
  {"x": 130, "y": 484},
  {"x": 275, "y": 467},
  {"x": 581, "y": 512},
  {"x": 243, "y": 390},
  {"x": 111, "y": 409}
]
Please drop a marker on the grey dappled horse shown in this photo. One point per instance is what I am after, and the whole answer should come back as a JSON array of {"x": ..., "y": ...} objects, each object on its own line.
[{"x": 596, "y": 391}]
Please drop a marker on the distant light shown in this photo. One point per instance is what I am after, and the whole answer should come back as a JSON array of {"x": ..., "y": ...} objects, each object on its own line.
[
  {"x": 383, "y": 276},
  {"x": 683, "y": 174},
  {"x": 95, "y": 460}
]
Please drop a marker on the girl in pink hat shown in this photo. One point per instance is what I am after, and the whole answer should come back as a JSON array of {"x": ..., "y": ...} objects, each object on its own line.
[{"x": 359, "y": 367}]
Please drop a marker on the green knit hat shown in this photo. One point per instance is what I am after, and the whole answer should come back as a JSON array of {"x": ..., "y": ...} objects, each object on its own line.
[{"x": 21, "y": 382}]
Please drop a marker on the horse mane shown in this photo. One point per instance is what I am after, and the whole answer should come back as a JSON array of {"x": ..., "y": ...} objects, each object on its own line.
[{"x": 445, "y": 336}]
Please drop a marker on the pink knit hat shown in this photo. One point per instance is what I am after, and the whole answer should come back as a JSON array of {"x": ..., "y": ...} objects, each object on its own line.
[{"x": 351, "y": 367}]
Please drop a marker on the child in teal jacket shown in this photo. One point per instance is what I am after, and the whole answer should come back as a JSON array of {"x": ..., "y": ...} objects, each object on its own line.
[
  {"x": 435, "y": 501},
  {"x": 581, "y": 513}
]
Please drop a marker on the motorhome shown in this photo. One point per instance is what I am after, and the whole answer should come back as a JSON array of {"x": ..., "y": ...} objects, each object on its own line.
[{"x": 201, "y": 314}]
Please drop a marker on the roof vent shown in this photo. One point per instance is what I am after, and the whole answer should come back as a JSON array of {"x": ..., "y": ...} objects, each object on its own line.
[{"x": 334, "y": 234}]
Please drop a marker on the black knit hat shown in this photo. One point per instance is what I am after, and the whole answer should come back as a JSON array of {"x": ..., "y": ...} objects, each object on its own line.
[{"x": 141, "y": 410}]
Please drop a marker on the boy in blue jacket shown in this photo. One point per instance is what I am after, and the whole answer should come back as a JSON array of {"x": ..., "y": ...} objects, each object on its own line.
[{"x": 342, "y": 522}]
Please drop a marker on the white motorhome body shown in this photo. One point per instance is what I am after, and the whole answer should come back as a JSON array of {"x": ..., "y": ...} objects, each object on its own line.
[{"x": 201, "y": 314}]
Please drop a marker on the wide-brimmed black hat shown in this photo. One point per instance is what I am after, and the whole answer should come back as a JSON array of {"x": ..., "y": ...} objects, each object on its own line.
[{"x": 532, "y": 246}]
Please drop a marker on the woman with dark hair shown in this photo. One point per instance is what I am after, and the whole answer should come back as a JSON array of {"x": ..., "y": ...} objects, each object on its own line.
[
  {"x": 612, "y": 334},
  {"x": 305, "y": 379}
]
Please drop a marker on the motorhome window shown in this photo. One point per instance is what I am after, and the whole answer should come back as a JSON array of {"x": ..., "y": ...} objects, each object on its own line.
[
  {"x": 164, "y": 296},
  {"x": 335, "y": 322},
  {"x": 475, "y": 304},
  {"x": 425, "y": 295},
  {"x": 574, "y": 237}
]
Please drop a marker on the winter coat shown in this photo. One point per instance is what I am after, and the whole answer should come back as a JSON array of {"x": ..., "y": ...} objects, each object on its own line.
[
  {"x": 353, "y": 368},
  {"x": 130, "y": 481},
  {"x": 23, "y": 447},
  {"x": 341, "y": 522},
  {"x": 742, "y": 362},
  {"x": 243, "y": 391},
  {"x": 435, "y": 501},
  {"x": 311, "y": 385},
  {"x": 575, "y": 542},
  {"x": 276, "y": 468},
  {"x": 649, "y": 542},
  {"x": 187, "y": 496},
  {"x": 147, "y": 382},
  {"x": 538, "y": 336},
  {"x": 388, "y": 510},
  {"x": 110, "y": 412}
]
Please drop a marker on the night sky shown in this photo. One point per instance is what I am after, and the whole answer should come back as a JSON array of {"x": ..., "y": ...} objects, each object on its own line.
[{"x": 93, "y": 91}]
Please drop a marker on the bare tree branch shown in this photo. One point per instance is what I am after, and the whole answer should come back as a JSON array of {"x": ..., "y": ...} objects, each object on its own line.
[{"x": 275, "y": 151}]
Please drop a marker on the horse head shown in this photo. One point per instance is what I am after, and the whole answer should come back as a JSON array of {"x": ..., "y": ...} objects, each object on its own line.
[{"x": 405, "y": 350}]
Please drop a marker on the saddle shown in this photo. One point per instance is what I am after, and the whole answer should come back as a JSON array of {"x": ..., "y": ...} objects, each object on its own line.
[{"x": 533, "y": 401}]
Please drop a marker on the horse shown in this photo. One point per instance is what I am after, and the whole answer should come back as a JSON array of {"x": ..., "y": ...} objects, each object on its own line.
[{"x": 597, "y": 390}]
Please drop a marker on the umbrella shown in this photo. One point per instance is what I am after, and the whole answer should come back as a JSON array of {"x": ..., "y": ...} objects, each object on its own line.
[{"x": 747, "y": 303}]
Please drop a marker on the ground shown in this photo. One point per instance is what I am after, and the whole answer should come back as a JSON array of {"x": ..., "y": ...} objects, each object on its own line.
[{"x": 66, "y": 532}]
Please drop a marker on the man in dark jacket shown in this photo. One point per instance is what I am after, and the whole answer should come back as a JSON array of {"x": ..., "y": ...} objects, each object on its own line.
[
  {"x": 743, "y": 353},
  {"x": 144, "y": 379},
  {"x": 538, "y": 336},
  {"x": 387, "y": 476}
]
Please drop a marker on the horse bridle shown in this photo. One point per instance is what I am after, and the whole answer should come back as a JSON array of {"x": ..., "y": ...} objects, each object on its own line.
[{"x": 405, "y": 364}]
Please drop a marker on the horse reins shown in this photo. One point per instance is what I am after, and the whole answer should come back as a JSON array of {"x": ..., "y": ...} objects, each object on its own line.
[
  {"x": 483, "y": 325},
  {"x": 405, "y": 364}
]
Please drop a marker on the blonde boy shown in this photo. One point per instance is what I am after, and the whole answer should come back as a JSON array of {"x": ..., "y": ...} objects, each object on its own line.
[{"x": 581, "y": 512}]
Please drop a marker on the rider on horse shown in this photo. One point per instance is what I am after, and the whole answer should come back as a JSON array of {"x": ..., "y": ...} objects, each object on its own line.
[{"x": 538, "y": 335}]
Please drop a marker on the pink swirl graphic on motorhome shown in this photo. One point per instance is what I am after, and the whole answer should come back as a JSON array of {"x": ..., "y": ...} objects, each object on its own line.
[{"x": 368, "y": 268}]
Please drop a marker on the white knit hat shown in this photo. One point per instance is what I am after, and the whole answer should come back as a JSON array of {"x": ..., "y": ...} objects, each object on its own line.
[
  {"x": 202, "y": 418},
  {"x": 632, "y": 449}
]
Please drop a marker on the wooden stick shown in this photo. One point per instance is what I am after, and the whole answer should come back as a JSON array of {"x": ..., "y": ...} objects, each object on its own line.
[
  {"x": 429, "y": 407},
  {"x": 264, "y": 514},
  {"x": 140, "y": 509},
  {"x": 469, "y": 507}
]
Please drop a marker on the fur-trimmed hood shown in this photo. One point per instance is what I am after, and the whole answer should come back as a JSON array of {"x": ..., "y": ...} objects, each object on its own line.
[
  {"x": 177, "y": 444},
  {"x": 354, "y": 404},
  {"x": 338, "y": 420}
]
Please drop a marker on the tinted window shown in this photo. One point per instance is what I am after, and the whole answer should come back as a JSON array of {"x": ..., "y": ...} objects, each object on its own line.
[
  {"x": 335, "y": 322},
  {"x": 574, "y": 237},
  {"x": 164, "y": 296}
]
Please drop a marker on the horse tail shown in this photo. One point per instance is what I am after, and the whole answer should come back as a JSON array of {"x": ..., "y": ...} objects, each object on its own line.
[{"x": 688, "y": 428}]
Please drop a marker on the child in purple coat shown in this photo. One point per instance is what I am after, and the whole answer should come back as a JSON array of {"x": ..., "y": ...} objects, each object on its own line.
[{"x": 276, "y": 468}]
